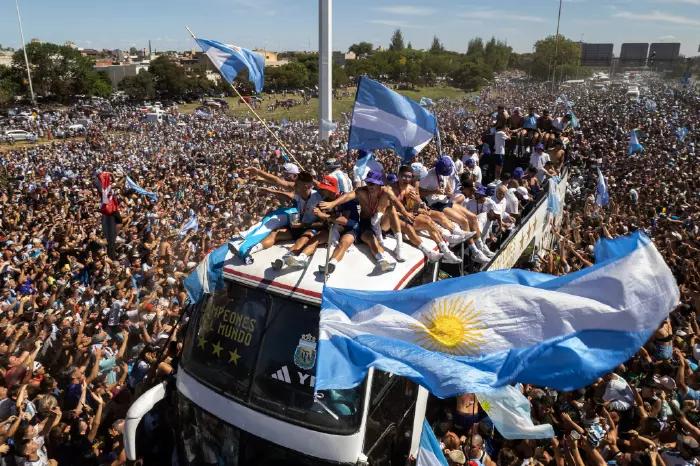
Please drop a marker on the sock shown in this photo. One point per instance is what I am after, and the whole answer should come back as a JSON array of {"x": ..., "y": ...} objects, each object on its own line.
[
  {"x": 443, "y": 247},
  {"x": 457, "y": 229},
  {"x": 472, "y": 247},
  {"x": 302, "y": 256},
  {"x": 444, "y": 231},
  {"x": 376, "y": 226},
  {"x": 333, "y": 261},
  {"x": 423, "y": 248},
  {"x": 399, "y": 243},
  {"x": 256, "y": 248},
  {"x": 378, "y": 256}
]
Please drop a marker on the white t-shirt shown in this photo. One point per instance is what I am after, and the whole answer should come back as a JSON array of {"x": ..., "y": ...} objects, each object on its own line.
[
  {"x": 459, "y": 167},
  {"x": 538, "y": 160},
  {"x": 344, "y": 182},
  {"x": 487, "y": 206},
  {"x": 476, "y": 171},
  {"x": 474, "y": 156},
  {"x": 432, "y": 182},
  {"x": 500, "y": 142},
  {"x": 512, "y": 203}
]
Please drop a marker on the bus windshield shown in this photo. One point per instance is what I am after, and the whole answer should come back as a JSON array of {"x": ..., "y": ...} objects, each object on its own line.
[{"x": 260, "y": 349}]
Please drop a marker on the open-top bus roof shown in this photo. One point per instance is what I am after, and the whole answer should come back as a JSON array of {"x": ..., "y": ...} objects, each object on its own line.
[{"x": 357, "y": 270}]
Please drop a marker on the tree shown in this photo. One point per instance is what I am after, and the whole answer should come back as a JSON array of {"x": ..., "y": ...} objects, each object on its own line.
[
  {"x": 8, "y": 85},
  {"x": 59, "y": 72},
  {"x": 169, "y": 78},
  {"x": 497, "y": 54},
  {"x": 396, "y": 43},
  {"x": 362, "y": 49},
  {"x": 133, "y": 51},
  {"x": 409, "y": 46},
  {"x": 472, "y": 75},
  {"x": 139, "y": 87},
  {"x": 475, "y": 49},
  {"x": 436, "y": 47},
  {"x": 293, "y": 75},
  {"x": 555, "y": 57}
]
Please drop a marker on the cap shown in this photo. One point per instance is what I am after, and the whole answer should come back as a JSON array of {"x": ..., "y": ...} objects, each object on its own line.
[
  {"x": 444, "y": 166},
  {"x": 471, "y": 148},
  {"x": 375, "y": 178},
  {"x": 470, "y": 162},
  {"x": 518, "y": 173},
  {"x": 291, "y": 168},
  {"x": 539, "y": 146},
  {"x": 329, "y": 183},
  {"x": 391, "y": 178},
  {"x": 522, "y": 190},
  {"x": 480, "y": 190}
]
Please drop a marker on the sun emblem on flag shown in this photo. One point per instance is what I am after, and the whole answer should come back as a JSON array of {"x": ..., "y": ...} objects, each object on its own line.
[{"x": 452, "y": 325}]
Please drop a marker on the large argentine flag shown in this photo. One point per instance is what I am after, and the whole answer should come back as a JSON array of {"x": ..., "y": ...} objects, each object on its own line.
[
  {"x": 429, "y": 451},
  {"x": 474, "y": 333},
  {"x": 384, "y": 119},
  {"x": 231, "y": 60}
]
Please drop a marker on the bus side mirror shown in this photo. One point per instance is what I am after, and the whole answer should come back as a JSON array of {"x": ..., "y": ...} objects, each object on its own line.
[{"x": 136, "y": 412}]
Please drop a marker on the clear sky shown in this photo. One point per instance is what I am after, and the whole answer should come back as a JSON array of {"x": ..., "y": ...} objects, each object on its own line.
[{"x": 292, "y": 24}]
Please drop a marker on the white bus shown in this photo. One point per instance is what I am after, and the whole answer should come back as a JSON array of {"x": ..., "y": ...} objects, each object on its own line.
[{"x": 245, "y": 382}]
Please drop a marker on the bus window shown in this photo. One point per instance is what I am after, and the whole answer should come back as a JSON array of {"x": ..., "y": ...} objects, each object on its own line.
[
  {"x": 260, "y": 349},
  {"x": 390, "y": 419}
]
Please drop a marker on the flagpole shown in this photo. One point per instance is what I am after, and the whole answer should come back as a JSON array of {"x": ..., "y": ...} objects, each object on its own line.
[
  {"x": 256, "y": 114},
  {"x": 24, "y": 49}
]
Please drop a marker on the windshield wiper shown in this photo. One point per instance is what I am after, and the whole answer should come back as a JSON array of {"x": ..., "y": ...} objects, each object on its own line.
[{"x": 317, "y": 399}]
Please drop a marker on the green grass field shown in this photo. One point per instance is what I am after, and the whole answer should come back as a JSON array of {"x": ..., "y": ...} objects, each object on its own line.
[{"x": 310, "y": 111}]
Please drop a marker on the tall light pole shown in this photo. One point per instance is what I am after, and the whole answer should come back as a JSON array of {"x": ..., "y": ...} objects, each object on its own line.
[
  {"x": 556, "y": 47},
  {"x": 325, "y": 68},
  {"x": 24, "y": 49}
]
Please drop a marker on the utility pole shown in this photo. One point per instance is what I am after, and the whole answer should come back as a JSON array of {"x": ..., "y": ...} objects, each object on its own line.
[
  {"x": 24, "y": 49},
  {"x": 325, "y": 68},
  {"x": 556, "y": 46}
]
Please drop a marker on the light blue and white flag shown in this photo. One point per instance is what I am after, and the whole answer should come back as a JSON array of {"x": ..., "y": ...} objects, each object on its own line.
[
  {"x": 208, "y": 276},
  {"x": 650, "y": 105},
  {"x": 509, "y": 411},
  {"x": 426, "y": 102},
  {"x": 634, "y": 147},
  {"x": 231, "y": 60},
  {"x": 429, "y": 451},
  {"x": 191, "y": 224},
  {"x": 553, "y": 200},
  {"x": 258, "y": 232},
  {"x": 602, "y": 197},
  {"x": 365, "y": 163},
  {"x": 474, "y": 333},
  {"x": 384, "y": 119},
  {"x": 563, "y": 100},
  {"x": 132, "y": 185}
]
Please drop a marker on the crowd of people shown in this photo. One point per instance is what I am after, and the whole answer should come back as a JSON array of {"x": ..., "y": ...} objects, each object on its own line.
[{"x": 91, "y": 321}]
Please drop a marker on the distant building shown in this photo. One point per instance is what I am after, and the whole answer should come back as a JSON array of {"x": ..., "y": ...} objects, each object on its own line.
[
  {"x": 117, "y": 72},
  {"x": 6, "y": 57},
  {"x": 70, "y": 44},
  {"x": 271, "y": 58},
  {"x": 350, "y": 56}
]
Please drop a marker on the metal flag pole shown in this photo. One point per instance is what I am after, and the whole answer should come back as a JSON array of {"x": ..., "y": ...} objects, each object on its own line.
[
  {"x": 24, "y": 49},
  {"x": 256, "y": 114}
]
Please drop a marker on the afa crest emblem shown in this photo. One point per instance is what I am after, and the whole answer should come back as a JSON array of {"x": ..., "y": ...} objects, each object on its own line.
[{"x": 305, "y": 353}]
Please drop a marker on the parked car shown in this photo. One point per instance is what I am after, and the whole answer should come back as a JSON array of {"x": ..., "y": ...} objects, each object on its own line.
[{"x": 14, "y": 135}]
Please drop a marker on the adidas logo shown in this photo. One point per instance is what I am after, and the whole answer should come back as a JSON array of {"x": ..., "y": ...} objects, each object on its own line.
[{"x": 282, "y": 375}]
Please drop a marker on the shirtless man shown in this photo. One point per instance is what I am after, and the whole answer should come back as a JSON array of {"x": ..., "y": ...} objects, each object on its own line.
[
  {"x": 406, "y": 193},
  {"x": 375, "y": 202}
]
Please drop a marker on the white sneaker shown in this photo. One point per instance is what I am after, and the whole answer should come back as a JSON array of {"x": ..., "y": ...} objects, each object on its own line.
[
  {"x": 479, "y": 257},
  {"x": 433, "y": 256},
  {"x": 298, "y": 261},
  {"x": 386, "y": 264},
  {"x": 449, "y": 257},
  {"x": 485, "y": 249}
]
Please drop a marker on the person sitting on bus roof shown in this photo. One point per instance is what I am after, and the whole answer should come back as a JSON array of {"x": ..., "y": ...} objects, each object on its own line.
[
  {"x": 436, "y": 188},
  {"x": 305, "y": 246},
  {"x": 546, "y": 128},
  {"x": 334, "y": 169},
  {"x": 406, "y": 194},
  {"x": 374, "y": 203},
  {"x": 303, "y": 225}
]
